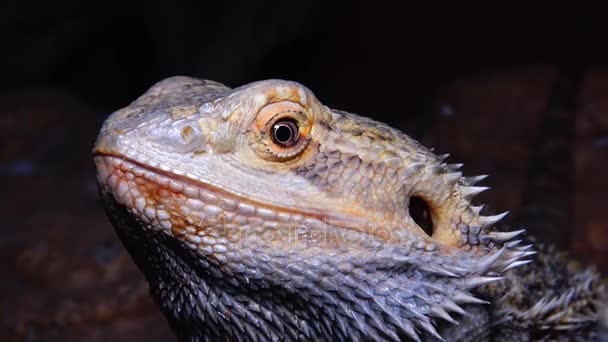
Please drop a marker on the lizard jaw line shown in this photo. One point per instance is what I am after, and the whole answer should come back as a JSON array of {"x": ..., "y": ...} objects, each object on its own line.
[{"x": 191, "y": 189}]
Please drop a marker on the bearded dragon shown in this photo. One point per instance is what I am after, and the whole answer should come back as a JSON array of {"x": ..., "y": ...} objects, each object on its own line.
[{"x": 257, "y": 213}]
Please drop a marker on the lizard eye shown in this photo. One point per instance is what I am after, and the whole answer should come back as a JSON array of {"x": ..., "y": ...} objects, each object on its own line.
[
  {"x": 281, "y": 131},
  {"x": 285, "y": 132}
]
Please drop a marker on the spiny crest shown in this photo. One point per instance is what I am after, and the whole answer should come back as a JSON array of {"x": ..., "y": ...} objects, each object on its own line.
[{"x": 476, "y": 230}]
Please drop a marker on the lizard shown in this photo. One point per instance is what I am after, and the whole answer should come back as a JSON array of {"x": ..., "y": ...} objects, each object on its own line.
[{"x": 258, "y": 213}]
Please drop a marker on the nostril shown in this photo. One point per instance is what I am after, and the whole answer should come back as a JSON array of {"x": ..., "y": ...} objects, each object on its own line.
[
  {"x": 421, "y": 214},
  {"x": 180, "y": 135},
  {"x": 188, "y": 134}
]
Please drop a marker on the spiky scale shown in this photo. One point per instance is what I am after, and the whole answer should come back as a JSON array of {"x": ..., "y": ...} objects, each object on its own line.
[
  {"x": 472, "y": 180},
  {"x": 437, "y": 168},
  {"x": 443, "y": 157},
  {"x": 525, "y": 248},
  {"x": 528, "y": 253},
  {"x": 450, "y": 305},
  {"x": 439, "y": 269},
  {"x": 453, "y": 178},
  {"x": 416, "y": 166},
  {"x": 408, "y": 328},
  {"x": 471, "y": 191},
  {"x": 474, "y": 282},
  {"x": 504, "y": 236},
  {"x": 426, "y": 325},
  {"x": 487, "y": 262},
  {"x": 454, "y": 167},
  {"x": 516, "y": 264},
  {"x": 438, "y": 311},
  {"x": 462, "y": 297},
  {"x": 457, "y": 269},
  {"x": 513, "y": 243},
  {"x": 477, "y": 208},
  {"x": 490, "y": 220}
]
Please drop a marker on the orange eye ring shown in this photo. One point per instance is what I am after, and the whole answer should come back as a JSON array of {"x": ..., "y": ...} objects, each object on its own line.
[{"x": 282, "y": 130}]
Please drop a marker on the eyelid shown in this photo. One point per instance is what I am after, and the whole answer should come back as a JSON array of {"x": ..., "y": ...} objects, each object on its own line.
[
  {"x": 285, "y": 115},
  {"x": 277, "y": 110}
]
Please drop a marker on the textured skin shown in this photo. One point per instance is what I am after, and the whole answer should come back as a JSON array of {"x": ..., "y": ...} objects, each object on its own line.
[{"x": 242, "y": 239}]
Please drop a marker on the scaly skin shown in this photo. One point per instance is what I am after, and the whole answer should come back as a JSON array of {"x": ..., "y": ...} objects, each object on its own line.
[{"x": 241, "y": 238}]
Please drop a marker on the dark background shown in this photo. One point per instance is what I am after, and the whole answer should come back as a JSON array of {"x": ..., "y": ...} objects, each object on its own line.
[{"x": 516, "y": 89}]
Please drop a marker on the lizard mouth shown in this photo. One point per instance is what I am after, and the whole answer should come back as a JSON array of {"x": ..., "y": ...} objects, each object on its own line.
[{"x": 177, "y": 203}]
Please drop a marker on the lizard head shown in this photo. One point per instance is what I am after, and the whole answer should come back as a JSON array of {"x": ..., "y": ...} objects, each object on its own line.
[{"x": 272, "y": 201}]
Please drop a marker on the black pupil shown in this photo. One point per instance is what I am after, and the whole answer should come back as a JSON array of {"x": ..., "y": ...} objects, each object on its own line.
[{"x": 283, "y": 132}]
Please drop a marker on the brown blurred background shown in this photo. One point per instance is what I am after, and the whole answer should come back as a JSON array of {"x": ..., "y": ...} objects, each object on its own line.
[{"x": 515, "y": 89}]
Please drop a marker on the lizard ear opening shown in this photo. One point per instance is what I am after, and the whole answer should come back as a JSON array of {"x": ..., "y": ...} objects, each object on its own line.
[{"x": 421, "y": 214}]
